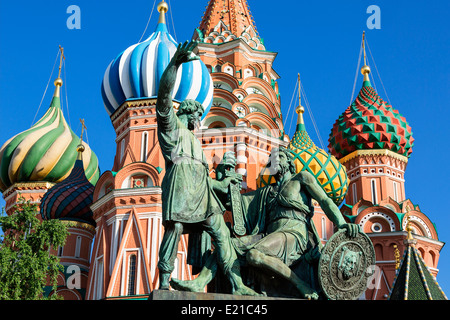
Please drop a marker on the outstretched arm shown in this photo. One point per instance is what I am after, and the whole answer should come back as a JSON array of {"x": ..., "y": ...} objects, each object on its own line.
[
  {"x": 328, "y": 206},
  {"x": 167, "y": 83}
]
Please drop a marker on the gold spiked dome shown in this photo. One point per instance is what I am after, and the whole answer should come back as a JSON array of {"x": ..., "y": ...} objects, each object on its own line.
[{"x": 163, "y": 8}]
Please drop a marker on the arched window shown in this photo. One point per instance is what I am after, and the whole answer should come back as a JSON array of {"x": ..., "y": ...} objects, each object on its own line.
[
  {"x": 229, "y": 70},
  {"x": 144, "y": 146},
  {"x": 394, "y": 185},
  {"x": 99, "y": 286},
  {"x": 60, "y": 251},
  {"x": 248, "y": 73},
  {"x": 433, "y": 258},
  {"x": 373, "y": 185},
  {"x": 324, "y": 229},
  {"x": 354, "y": 193},
  {"x": 78, "y": 247},
  {"x": 122, "y": 149},
  {"x": 132, "y": 275}
]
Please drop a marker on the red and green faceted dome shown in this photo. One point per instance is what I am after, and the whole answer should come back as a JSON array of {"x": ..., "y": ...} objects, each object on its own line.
[{"x": 370, "y": 123}]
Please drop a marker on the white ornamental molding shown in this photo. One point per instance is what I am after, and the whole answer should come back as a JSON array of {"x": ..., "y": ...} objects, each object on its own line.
[
  {"x": 419, "y": 221},
  {"x": 382, "y": 215}
]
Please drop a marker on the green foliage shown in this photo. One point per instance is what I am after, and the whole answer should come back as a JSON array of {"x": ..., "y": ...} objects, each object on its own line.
[{"x": 26, "y": 264}]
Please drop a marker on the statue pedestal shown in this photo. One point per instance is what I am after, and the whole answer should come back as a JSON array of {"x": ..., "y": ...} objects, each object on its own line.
[{"x": 201, "y": 296}]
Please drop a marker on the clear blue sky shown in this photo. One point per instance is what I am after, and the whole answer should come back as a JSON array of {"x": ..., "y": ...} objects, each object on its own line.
[{"x": 319, "y": 39}]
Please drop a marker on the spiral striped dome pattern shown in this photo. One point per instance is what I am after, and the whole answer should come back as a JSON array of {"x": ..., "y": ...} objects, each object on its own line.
[
  {"x": 136, "y": 73},
  {"x": 70, "y": 199},
  {"x": 45, "y": 152}
]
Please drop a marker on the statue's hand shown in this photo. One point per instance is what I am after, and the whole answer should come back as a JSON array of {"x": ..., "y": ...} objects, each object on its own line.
[
  {"x": 352, "y": 229},
  {"x": 228, "y": 163},
  {"x": 229, "y": 160},
  {"x": 229, "y": 177},
  {"x": 184, "y": 53},
  {"x": 235, "y": 177},
  {"x": 312, "y": 255}
]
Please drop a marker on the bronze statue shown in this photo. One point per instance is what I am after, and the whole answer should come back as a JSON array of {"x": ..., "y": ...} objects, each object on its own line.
[
  {"x": 280, "y": 231},
  {"x": 190, "y": 203}
]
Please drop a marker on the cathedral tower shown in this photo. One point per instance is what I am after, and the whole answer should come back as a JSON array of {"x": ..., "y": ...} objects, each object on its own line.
[
  {"x": 245, "y": 116},
  {"x": 374, "y": 142},
  {"x": 42, "y": 165}
]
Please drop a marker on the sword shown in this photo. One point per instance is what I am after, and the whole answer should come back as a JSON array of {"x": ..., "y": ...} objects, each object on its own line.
[
  {"x": 236, "y": 207},
  {"x": 227, "y": 169}
]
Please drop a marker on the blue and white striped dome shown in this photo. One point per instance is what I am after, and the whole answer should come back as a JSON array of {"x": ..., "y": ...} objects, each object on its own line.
[{"x": 136, "y": 73}]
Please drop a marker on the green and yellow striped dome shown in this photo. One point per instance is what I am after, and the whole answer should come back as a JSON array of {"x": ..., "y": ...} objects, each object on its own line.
[
  {"x": 329, "y": 172},
  {"x": 45, "y": 152}
]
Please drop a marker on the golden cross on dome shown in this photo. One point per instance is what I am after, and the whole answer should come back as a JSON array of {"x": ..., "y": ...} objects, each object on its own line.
[
  {"x": 62, "y": 57},
  {"x": 364, "y": 46},
  {"x": 83, "y": 127},
  {"x": 58, "y": 82},
  {"x": 300, "y": 109},
  {"x": 80, "y": 147},
  {"x": 365, "y": 70}
]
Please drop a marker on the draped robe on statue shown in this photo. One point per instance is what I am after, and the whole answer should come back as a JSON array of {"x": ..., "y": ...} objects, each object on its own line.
[
  {"x": 187, "y": 187},
  {"x": 267, "y": 212}
]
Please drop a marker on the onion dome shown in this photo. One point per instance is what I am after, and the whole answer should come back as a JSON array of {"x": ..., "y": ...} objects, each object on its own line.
[
  {"x": 136, "y": 72},
  {"x": 45, "y": 152},
  {"x": 370, "y": 123},
  {"x": 71, "y": 198},
  {"x": 328, "y": 171}
]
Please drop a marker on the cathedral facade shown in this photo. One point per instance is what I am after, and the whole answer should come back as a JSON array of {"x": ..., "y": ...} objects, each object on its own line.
[{"x": 115, "y": 218}]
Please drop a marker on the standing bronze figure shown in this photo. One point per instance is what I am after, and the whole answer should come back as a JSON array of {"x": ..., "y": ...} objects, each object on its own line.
[{"x": 190, "y": 203}]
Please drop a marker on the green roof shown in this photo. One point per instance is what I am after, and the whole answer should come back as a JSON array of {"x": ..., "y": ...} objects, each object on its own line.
[{"x": 414, "y": 281}]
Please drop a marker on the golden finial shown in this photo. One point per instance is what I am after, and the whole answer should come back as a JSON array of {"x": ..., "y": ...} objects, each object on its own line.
[
  {"x": 58, "y": 82},
  {"x": 300, "y": 109},
  {"x": 410, "y": 239},
  {"x": 163, "y": 8},
  {"x": 408, "y": 225},
  {"x": 397, "y": 257},
  {"x": 365, "y": 70},
  {"x": 80, "y": 147}
]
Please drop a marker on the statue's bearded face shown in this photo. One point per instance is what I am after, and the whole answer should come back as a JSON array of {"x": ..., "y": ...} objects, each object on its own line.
[
  {"x": 348, "y": 266},
  {"x": 280, "y": 163},
  {"x": 193, "y": 120},
  {"x": 190, "y": 113}
]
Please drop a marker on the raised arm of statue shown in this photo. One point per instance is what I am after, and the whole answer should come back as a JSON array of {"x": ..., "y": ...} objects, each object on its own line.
[
  {"x": 328, "y": 206},
  {"x": 164, "y": 105}
]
